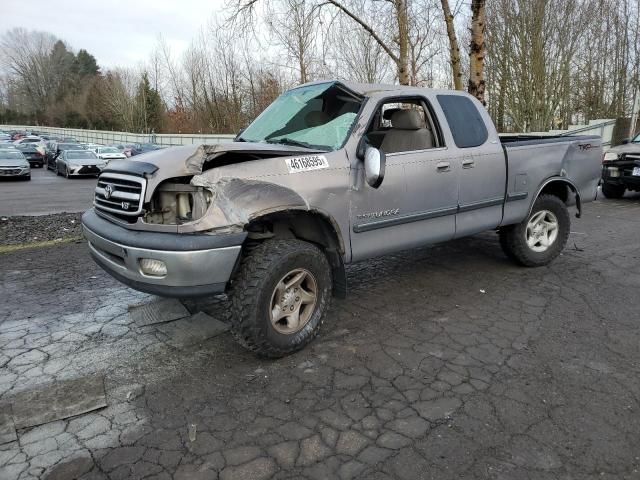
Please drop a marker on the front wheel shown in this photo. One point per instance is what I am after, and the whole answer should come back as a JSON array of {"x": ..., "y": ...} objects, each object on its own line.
[
  {"x": 540, "y": 238},
  {"x": 279, "y": 296}
]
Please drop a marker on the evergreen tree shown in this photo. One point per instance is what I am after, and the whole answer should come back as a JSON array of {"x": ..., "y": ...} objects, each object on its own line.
[
  {"x": 86, "y": 64},
  {"x": 149, "y": 106}
]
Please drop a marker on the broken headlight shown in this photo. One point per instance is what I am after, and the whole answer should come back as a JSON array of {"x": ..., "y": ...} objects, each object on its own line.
[{"x": 177, "y": 203}]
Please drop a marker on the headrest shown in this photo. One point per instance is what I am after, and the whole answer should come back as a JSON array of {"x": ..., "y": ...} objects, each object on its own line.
[
  {"x": 406, "y": 120},
  {"x": 388, "y": 113},
  {"x": 315, "y": 119}
]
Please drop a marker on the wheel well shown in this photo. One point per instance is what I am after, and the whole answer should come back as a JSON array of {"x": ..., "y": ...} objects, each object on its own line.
[
  {"x": 563, "y": 190},
  {"x": 557, "y": 188},
  {"x": 313, "y": 227}
]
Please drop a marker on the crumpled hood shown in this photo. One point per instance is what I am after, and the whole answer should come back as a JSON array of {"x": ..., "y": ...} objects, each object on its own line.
[{"x": 188, "y": 159}]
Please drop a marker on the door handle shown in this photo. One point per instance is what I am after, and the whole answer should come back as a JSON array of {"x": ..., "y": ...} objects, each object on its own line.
[
  {"x": 443, "y": 166},
  {"x": 468, "y": 164}
]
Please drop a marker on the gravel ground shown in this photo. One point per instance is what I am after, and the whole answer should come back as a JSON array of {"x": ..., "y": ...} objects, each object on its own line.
[{"x": 23, "y": 230}]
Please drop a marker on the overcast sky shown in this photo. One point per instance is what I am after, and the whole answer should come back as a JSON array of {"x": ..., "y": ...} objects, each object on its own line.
[{"x": 116, "y": 32}]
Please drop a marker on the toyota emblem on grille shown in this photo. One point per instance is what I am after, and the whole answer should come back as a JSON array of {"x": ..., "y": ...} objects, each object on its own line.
[{"x": 108, "y": 191}]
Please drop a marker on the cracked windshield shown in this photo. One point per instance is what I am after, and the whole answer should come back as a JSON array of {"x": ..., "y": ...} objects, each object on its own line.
[{"x": 317, "y": 116}]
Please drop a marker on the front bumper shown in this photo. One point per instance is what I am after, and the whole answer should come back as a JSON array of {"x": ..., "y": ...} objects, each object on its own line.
[
  {"x": 14, "y": 171},
  {"x": 81, "y": 170},
  {"x": 197, "y": 264},
  {"x": 620, "y": 172}
]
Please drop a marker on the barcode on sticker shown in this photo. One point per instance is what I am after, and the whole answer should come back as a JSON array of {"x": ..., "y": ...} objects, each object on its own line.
[{"x": 306, "y": 163}]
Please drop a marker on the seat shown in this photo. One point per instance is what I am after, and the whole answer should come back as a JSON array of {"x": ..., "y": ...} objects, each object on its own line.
[
  {"x": 406, "y": 133},
  {"x": 317, "y": 118}
]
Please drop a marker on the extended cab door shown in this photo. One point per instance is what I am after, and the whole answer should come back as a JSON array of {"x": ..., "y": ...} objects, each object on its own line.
[
  {"x": 417, "y": 200},
  {"x": 483, "y": 166}
]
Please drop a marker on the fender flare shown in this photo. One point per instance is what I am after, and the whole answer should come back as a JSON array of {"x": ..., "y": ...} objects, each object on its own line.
[{"x": 568, "y": 183}]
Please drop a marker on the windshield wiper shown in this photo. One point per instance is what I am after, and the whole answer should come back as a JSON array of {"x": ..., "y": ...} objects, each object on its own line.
[{"x": 289, "y": 141}]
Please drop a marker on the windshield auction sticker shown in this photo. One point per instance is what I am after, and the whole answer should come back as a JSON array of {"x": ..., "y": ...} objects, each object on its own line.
[{"x": 306, "y": 163}]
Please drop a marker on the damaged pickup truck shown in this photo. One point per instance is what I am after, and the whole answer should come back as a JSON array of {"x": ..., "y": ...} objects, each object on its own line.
[{"x": 331, "y": 173}]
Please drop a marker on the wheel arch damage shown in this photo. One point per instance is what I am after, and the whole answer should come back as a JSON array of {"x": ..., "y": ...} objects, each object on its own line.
[
  {"x": 562, "y": 188},
  {"x": 267, "y": 210}
]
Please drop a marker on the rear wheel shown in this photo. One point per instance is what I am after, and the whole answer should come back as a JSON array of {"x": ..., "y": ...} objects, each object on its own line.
[
  {"x": 540, "y": 238},
  {"x": 280, "y": 295},
  {"x": 611, "y": 190}
]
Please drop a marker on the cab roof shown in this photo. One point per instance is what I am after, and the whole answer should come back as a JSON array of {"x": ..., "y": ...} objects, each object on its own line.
[{"x": 381, "y": 89}]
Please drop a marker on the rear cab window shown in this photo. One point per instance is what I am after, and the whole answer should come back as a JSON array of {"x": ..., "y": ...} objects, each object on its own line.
[{"x": 465, "y": 122}]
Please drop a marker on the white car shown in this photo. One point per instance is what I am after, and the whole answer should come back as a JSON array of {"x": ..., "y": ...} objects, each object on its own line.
[
  {"x": 110, "y": 153},
  {"x": 34, "y": 140},
  {"x": 92, "y": 146}
]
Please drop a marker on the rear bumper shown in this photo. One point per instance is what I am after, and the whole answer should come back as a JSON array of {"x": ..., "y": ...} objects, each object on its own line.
[{"x": 195, "y": 266}]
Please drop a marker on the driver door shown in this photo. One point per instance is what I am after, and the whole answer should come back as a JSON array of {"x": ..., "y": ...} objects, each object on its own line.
[{"x": 417, "y": 200}]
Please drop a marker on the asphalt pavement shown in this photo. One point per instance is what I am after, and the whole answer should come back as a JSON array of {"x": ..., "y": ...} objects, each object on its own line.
[
  {"x": 45, "y": 193},
  {"x": 448, "y": 362}
]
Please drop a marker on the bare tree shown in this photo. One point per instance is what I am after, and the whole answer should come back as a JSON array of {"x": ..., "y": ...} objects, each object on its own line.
[
  {"x": 294, "y": 28},
  {"x": 361, "y": 58},
  {"x": 26, "y": 56},
  {"x": 454, "y": 47},
  {"x": 477, "y": 50},
  {"x": 397, "y": 47}
]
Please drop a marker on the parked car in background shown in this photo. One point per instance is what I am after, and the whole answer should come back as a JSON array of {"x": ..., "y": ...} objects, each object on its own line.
[
  {"x": 140, "y": 148},
  {"x": 73, "y": 163},
  {"x": 17, "y": 134},
  {"x": 110, "y": 153},
  {"x": 14, "y": 165},
  {"x": 56, "y": 151},
  {"x": 70, "y": 140},
  {"x": 621, "y": 169},
  {"x": 126, "y": 149},
  {"x": 5, "y": 138},
  {"x": 33, "y": 153},
  {"x": 92, "y": 146},
  {"x": 29, "y": 139}
]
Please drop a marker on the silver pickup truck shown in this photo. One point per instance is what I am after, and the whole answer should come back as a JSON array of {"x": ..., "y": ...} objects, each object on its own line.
[{"x": 331, "y": 173}]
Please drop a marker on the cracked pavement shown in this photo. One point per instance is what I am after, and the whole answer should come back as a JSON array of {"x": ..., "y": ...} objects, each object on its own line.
[{"x": 444, "y": 362}]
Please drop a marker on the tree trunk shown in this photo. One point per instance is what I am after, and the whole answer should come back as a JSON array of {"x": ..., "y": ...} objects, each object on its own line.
[
  {"x": 403, "y": 42},
  {"x": 454, "y": 48},
  {"x": 477, "y": 51}
]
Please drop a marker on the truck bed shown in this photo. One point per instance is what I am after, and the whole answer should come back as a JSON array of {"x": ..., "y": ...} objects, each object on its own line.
[{"x": 532, "y": 160}]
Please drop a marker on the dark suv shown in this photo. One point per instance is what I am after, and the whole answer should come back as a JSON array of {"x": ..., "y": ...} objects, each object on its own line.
[
  {"x": 621, "y": 169},
  {"x": 32, "y": 153}
]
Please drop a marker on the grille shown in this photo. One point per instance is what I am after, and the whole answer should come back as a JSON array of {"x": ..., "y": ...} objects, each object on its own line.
[
  {"x": 629, "y": 162},
  {"x": 10, "y": 171},
  {"x": 89, "y": 169},
  {"x": 120, "y": 194}
]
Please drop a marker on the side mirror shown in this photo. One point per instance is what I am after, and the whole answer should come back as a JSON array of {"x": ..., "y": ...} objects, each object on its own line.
[
  {"x": 374, "y": 163},
  {"x": 625, "y": 141}
]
